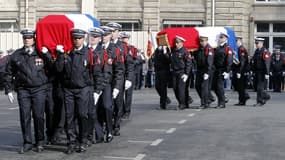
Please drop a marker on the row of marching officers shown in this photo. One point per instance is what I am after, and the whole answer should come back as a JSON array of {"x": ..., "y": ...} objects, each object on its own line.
[
  {"x": 213, "y": 66},
  {"x": 85, "y": 92}
]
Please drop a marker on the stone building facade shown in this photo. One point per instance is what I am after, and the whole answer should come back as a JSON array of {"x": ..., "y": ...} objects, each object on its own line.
[{"x": 249, "y": 18}]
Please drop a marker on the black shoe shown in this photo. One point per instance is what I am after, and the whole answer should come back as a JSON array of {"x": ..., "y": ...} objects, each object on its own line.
[
  {"x": 240, "y": 104},
  {"x": 109, "y": 138},
  {"x": 181, "y": 107},
  {"x": 211, "y": 100},
  {"x": 190, "y": 100},
  {"x": 70, "y": 149},
  {"x": 226, "y": 100},
  {"x": 202, "y": 106},
  {"x": 126, "y": 116},
  {"x": 220, "y": 106},
  {"x": 89, "y": 143},
  {"x": 82, "y": 148},
  {"x": 116, "y": 132},
  {"x": 39, "y": 148},
  {"x": 258, "y": 104},
  {"x": 168, "y": 101},
  {"x": 162, "y": 106},
  {"x": 25, "y": 148}
]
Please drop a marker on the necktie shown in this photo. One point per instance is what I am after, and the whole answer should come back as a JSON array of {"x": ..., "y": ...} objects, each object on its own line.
[{"x": 91, "y": 57}]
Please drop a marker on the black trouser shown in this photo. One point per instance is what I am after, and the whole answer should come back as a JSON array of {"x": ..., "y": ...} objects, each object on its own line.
[
  {"x": 260, "y": 81},
  {"x": 179, "y": 88},
  {"x": 76, "y": 106},
  {"x": 106, "y": 108},
  {"x": 32, "y": 100},
  {"x": 59, "y": 110},
  {"x": 239, "y": 85},
  {"x": 161, "y": 82},
  {"x": 218, "y": 85},
  {"x": 128, "y": 99},
  {"x": 277, "y": 80},
  {"x": 93, "y": 120},
  {"x": 49, "y": 109},
  {"x": 202, "y": 87},
  {"x": 211, "y": 75},
  {"x": 118, "y": 108}
]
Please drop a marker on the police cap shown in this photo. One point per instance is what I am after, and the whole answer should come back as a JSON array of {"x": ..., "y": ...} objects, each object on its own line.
[
  {"x": 78, "y": 32},
  {"x": 107, "y": 30},
  {"x": 114, "y": 25},
  {"x": 28, "y": 33},
  {"x": 96, "y": 32}
]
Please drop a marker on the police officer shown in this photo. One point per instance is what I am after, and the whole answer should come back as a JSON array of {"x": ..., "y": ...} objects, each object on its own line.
[
  {"x": 161, "y": 59},
  {"x": 261, "y": 66},
  {"x": 113, "y": 75},
  {"x": 77, "y": 81},
  {"x": 204, "y": 59},
  {"x": 277, "y": 68},
  {"x": 181, "y": 65},
  {"x": 139, "y": 61},
  {"x": 28, "y": 68},
  {"x": 95, "y": 54},
  {"x": 239, "y": 71},
  {"x": 130, "y": 56},
  {"x": 223, "y": 59}
]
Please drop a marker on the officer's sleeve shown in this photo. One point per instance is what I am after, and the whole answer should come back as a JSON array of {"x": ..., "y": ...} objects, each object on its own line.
[
  {"x": 59, "y": 63},
  {"x": 267, "y": 61},
  {"x": 188, "y": 62},
  {"x": 210, "y": 60},
  {"x": 243, "y": 59},
  {"x": 48, "y": 60},
  {"x": 119, "y": 69},
  {"x": 229, "y": 60},
  {"x": 8, "y": 75},
  {"x": 98, "y": 75},
  {"x": 130, "y": 66}
]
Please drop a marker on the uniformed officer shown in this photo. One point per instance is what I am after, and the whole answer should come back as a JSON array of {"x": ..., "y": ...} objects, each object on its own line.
[
  {"x": 113, "y": 75},
  {"x": 130, "y": 56},
  {"x": 161, "y": 59},
  {"x": 261, "y": 66},
  {"x": 223, "y": 59},
  {"x": 204, "y": 59},
  {"x": 28, "y": 68},
  {"x": 95, "y": 54},
  {"x": 277, "y": 69},
  {"x": 181, "y": 63},
  {"x": 239, "y": 71},
  {"x": 75, "y": 69}
]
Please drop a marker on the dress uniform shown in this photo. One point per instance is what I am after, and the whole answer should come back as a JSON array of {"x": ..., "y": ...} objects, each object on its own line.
[
  {"x": 28, "y": 68},
  {"x": 239, "y": 71},
  {"x": 161, "y": 59},
  {"x": 113, "y": 75},
  {"x": 181, "y": 62},
  {"x": 130, "y": 56},
  {"x": 223, "y": 59},
  {"x": 204, "y": 59},
  {"x": 277, "y": 69},
  {"x": 261, "y": 66},
  {"x": 95, "y": 54},
  {"x": 75, "y": 69}
]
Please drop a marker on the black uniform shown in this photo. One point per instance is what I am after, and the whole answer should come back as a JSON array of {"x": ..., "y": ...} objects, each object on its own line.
[
  {"x": 3, "y": 64},
  {"x": 181, "y": 63},
  {"x": 223, "y": 59},
  {"x": 261, "y": 66},
  {"x": 30, "y": 83},
  {"x": 132, "y": 56},
  {"x": 77, "y": 81},
  {"x": 204, "y": 59},
  {"x": 162, "y": 72},
  {"x": 139, "y": 61},
  {"x": 113, "y": 71},
  {"x": 241, "y": 68},
  {"x": 98, "y": 84},
  {"x": 277, "y": 69}
]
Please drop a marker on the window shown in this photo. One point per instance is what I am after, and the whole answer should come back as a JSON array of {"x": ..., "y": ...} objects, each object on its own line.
[
  {"x": 262, "y": 27},
  {"x": 181, "y": 23},
  {"x": 8, "y": 26},
  {"x": 273, "y": 33},
  {"x": 132, "y": 25},
  {"x": 270, "y": 0}
]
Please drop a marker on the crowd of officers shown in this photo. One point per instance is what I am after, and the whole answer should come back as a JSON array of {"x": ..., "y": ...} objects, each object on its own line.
[
  {"x": 213, "y": 66},
  {"x": 85, "y": 92}
]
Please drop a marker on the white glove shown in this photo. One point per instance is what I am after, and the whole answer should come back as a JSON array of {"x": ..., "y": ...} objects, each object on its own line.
[
  {"x": 238, "y": 75},
  {"x": 128, "y": 84},
  {"x": 184, "y": 77},
  {"x": 44, "y": 50},
  {"x": 11, "y": 97},
  {"x": 270, "y": 73},
  {"x": 226, "y": 75},
  {"x": 60, "y": 48},
  {"x": 206, "y": 76},
  {"x": 266, "y": 76},
  {"x": 115, "y": 93},
  {"x": 96, "y": 97}
]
